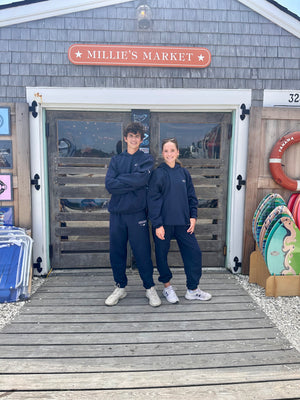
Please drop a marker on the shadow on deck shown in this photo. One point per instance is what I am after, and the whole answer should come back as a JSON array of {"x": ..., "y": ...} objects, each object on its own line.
[{"x": 66, "y": 344}]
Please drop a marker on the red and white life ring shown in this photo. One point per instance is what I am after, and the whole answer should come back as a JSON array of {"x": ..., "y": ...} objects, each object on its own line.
[{"x": 275, "y": 161}]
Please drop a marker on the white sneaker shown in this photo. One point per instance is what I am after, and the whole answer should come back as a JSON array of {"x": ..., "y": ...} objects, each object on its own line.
[
  {"x": 170, "y": 295},
  {"x": 152, "y": 295},
  {"x": 117, "y": 294},
  {"x": 197, "y": 295}
]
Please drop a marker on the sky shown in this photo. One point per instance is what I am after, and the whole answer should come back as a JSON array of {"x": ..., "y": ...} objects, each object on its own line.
[{"x": 292, "y": 5}]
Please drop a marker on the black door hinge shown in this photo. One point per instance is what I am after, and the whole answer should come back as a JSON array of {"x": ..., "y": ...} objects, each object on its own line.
[
  {"x": 245, "y": 111},
  {"x": 241, "y": 182},
  {"x": 32, "y": 109},
  {"x": 37, "y": 264},
  {"x": 35, "y": 181},
  {"x": 237, "y": 264}
]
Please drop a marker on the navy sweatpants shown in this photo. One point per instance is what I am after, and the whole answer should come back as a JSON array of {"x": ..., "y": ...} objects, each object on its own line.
[
  {"x": 190, "y": 253},
  {"x": 132, "y": 227}
]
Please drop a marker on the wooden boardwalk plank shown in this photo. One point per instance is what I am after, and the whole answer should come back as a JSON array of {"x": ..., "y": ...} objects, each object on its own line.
[
  {"x": 134, "y": 326},
  {"x": 138, "y": 309},
  {"x": 288, "y": 389},
  {"x": 130, "y": 300},
  {"x": 140, "y": 337},
  {"x": 140, "y": 349},
  {"x": 132, "y": 317},
  {"x": 67, "y": 344},
  {"x": 148, "y": 363},
  {"x": 144, "y": 379},
  {"x": 101, "y": 295}
]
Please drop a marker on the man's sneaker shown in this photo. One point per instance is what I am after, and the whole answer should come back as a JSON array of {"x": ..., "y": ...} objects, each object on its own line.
[
  {"x": 117, "y": 294},
  {"x": 197, "y": 295},
  {"x": 170, "y": 295},
  {"x": 152, "y": 295}
]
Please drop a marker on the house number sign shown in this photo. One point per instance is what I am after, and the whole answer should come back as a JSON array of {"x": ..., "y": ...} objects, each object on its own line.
[
  {"x": 282, "y": 98},
  {"x": 139, "y": 56}
]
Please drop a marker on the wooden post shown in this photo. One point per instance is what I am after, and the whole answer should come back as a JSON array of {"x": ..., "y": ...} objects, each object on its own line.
[{"x": 23, "y": 165}]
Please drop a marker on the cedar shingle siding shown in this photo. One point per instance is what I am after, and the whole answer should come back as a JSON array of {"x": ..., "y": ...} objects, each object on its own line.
[{"x": 248, "y": 51}]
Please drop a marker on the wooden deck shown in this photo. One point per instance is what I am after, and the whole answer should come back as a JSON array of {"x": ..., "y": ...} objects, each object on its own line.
[{"x": 66, "y": 344}]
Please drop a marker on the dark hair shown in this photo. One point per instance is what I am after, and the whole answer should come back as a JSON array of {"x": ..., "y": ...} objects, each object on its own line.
[
  {"x": 135, "y": 127},
  {"x": 171, "y": 140}
]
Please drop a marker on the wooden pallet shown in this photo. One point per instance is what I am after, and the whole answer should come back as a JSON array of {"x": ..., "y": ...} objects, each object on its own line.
[{"x": 275, "y": 285}]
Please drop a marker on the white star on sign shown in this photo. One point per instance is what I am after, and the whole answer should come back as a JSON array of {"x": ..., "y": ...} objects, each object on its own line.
[
  {"x": 78, "y": 54},
  {"x": 201, "y": 57}
]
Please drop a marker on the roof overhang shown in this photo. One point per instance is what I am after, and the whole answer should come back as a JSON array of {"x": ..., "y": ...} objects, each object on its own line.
[
  {"x": 53, "y": 8},
  {"x": 50, "y": 8}
]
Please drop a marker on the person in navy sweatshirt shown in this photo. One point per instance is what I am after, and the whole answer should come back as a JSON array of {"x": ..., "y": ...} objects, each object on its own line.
[
  {"x": 172, "y": 207},
  {"x": 127, "y": 179}
]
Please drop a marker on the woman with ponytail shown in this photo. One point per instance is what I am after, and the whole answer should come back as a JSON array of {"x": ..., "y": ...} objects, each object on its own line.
[{"x": 172, "y": 207}]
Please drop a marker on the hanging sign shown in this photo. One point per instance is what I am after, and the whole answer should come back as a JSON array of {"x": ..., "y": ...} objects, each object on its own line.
[
  {"x": 139, "y": 56},
  {"x": 143, "y": 116}
]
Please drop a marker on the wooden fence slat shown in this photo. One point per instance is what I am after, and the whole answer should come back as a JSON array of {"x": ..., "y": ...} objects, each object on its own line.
[
  {"x": 91, "y": 192},
  {"x": 79, "y": 170},
  {"x": 83, "y": 216},
  {"x": 79, "y": 161},
  {"x": 95, "y": 259},
  {"x": 82, "y": 231}
]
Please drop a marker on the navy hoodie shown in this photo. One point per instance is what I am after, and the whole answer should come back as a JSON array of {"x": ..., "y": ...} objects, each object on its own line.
[
  {"x": 171, "y": 196},
  {"x": 127, "y": 179}
]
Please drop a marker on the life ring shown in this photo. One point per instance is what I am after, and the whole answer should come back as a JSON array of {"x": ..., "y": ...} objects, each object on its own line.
[{"x": 275, "y": 161}]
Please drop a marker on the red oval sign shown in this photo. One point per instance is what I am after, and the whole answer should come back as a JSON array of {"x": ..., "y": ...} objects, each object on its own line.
[{"x": 140, "y": 56}]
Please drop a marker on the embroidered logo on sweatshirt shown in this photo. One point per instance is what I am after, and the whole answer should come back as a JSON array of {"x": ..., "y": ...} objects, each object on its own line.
[
  {"x": 142, "y": 223},
  {"x": 183, "y": 180}
]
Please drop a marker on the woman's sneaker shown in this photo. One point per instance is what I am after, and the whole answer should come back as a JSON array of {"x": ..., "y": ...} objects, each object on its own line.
[
  {"x": 197, "y": 295},
  {"x": 117, "y": 294},
  {"x": 170, "y": 295},
  {"x": 152, "y": 295}
]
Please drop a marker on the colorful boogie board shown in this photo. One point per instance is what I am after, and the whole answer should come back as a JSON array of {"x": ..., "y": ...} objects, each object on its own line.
[
  {"x": 261, "y": 205},
  {"x": 272, "y": 218},
  {"x": 291, "y": 201},
  {"x": 257, "y": 213},
  {"x": 296, "y": 210},
  {"x": 267, "y": 207},
  {"x": 283, "y": 248}
]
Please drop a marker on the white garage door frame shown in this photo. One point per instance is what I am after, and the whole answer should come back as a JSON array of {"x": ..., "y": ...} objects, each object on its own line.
[{"x": 156, "y": 100}]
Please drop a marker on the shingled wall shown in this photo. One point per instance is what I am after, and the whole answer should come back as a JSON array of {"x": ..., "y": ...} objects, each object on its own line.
[{"x": 248, "y": 51}]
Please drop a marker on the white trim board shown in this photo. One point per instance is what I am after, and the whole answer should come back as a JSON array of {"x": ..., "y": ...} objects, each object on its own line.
[
  {"x": 282, "y": 98},
  {"x": 274, "y": 14},
  {"x": 50, "y": 8},
  {"x": 167, "y": 100},
  {"x": 126, "y": 99}
]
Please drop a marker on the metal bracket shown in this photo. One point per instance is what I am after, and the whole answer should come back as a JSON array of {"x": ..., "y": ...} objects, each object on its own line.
[
  {"x": 237, "y": 264},
  {"x": 32, "y": 109},
  {"x": 245, "y": 111},
  {"x": 37, "y": 264},
  {"x": 241, "y": 182},
  {"x": 35, "y": 181}
]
